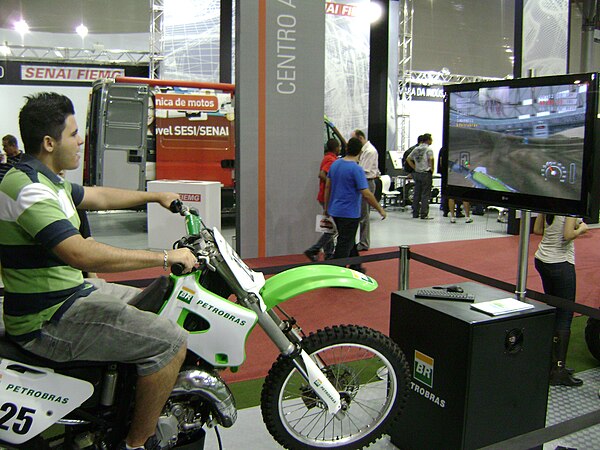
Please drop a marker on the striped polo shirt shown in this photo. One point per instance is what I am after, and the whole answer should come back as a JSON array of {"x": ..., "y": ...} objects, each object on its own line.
[{"x": 37, "y": 212}]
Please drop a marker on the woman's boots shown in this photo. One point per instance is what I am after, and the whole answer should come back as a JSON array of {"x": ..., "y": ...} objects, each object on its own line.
[{"x": 559, "y": 374}]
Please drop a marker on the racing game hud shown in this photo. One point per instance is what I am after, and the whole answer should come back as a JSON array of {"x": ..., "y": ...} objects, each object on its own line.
[{"x": 526, "y": 140}]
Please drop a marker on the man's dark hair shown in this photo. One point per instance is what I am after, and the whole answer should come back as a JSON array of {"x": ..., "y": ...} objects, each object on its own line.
[
  {"x": 426, "y": 137},
  {"x": 331, "y": 145},
  {"x": 10, "y": 139},
  {"x": 420, "y": 139},
  {"x": 354, "y": 147},
  {"x": 44, "y": 114},
  {"x": 360, "y": 133}
]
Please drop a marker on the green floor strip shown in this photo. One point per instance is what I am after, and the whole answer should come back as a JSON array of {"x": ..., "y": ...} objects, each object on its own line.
[{"x": 247, "y": 393}]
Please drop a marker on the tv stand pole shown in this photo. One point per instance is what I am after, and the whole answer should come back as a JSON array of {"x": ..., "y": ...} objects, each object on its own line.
[{"x": 524, "y": 230}]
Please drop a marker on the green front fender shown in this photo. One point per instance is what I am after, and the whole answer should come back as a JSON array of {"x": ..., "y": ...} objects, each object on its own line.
[{"x": 293, "y": 282}]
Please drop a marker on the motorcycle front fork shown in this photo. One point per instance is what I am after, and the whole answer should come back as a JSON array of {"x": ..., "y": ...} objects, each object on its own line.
[{"x": 287, "y": 339}]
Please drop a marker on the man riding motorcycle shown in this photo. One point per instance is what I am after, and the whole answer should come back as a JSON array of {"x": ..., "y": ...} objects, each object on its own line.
[{"x": 49, "y": 308}]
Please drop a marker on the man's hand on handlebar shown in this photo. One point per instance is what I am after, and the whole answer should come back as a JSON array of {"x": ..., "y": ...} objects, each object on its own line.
[
  {"x": 183, "y": 256},
  {"x": 166, "y": 198}
]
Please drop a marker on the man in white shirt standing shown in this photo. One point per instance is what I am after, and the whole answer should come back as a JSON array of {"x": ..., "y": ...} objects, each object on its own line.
[
  {"x": 369, "y": 161},
  {"x": 421, "y": 160}
]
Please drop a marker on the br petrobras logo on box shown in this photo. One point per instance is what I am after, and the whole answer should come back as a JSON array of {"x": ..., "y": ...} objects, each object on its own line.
[
  {"x": 423, "y": 368},
  {"x": 423, "y": 373}
]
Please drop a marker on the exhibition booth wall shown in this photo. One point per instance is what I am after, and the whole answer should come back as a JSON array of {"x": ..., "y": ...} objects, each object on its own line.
[{"x": 19, "y": 80}]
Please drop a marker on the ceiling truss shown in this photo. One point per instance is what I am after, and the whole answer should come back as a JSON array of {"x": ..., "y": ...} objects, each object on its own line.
[{"x": 73, "y": 55}]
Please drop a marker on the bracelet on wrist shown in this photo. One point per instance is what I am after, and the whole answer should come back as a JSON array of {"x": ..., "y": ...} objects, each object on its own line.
[{"x": 165, "y": 260}]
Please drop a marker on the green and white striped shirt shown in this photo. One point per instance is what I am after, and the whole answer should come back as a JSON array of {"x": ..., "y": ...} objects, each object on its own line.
[{"x": 37, "y": 212}]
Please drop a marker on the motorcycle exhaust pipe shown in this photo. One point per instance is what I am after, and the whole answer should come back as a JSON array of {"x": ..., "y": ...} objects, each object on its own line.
[{"x": 211, "y": 387}]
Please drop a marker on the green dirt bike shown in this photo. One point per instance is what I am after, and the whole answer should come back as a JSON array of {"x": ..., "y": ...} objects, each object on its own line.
[{"x": 341, "y": 387}]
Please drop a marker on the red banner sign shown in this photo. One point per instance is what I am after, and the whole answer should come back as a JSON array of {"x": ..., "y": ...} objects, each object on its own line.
[
  {"x": 341, "y": 9},
  {"x": 187, "y": 102}
]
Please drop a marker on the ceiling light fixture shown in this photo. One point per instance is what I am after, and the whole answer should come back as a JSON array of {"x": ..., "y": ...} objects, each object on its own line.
[
  {"x": 21, "y": 27},
  {"x": 370, "y": 11},
  {"x": 82, "y": 30}
]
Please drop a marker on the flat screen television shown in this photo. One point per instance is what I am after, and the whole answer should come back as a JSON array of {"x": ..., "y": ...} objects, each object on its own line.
[{"x": 526, "y": 143}]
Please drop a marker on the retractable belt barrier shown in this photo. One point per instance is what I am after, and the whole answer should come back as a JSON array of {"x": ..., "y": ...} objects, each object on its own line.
[
  {"x": 483, "y": 279},
  {"x": 551, "y": 300},
  {"x": 537, "y": 437}
]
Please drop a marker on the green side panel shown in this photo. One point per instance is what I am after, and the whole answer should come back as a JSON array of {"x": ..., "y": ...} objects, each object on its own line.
[{"x": 298, "y": 280}]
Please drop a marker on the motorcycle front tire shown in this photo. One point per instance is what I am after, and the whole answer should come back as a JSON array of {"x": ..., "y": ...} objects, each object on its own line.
[
  {"x": 369, "y": 371},
  {"x": 592, "y": 337}
]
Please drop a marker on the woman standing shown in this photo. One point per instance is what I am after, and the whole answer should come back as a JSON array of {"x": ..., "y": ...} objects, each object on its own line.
[{"x": 555, "y": 262}]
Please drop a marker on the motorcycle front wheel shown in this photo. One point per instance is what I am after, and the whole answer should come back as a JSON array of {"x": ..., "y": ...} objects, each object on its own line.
[
  {"x": 369, "y": 371},
  {"x": 592, "y": 337}
]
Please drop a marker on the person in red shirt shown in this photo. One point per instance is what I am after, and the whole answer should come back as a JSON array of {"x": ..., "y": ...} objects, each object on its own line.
[{"x": 327, "y": 240}]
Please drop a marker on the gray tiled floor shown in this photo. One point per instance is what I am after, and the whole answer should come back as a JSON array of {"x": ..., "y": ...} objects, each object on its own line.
[
  {"x": 567, "y": 403},
  {"x": 249, "y": 432}
]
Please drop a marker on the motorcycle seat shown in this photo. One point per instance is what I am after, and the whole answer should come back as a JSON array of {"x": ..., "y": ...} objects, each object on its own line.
[
  {"x": 10, "y": 350},
  {"x": 150, "y": 299}
]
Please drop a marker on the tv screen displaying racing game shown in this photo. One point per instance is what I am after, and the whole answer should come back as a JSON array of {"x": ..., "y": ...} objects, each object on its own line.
[{"x": 525, "y": 143}]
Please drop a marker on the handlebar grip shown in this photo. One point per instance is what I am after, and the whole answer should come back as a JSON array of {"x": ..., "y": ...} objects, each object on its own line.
[
  {"x": 175, "y": 206},
  {"x": 177, "y": 269}
]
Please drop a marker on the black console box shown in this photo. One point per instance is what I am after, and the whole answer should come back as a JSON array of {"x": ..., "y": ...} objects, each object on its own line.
[{"x": 476, "y": 379}]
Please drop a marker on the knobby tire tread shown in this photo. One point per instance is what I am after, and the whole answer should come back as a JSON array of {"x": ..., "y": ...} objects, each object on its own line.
[
  {"x": 337, "y": 334},
  {"x": 592, "y": 337}
]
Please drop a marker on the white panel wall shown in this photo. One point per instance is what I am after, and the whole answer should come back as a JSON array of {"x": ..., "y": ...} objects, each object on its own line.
[{"x": 426, "y": 117}]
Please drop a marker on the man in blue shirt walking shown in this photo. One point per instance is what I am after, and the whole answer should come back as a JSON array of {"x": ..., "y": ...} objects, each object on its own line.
[{"x": 345, "y": 188}]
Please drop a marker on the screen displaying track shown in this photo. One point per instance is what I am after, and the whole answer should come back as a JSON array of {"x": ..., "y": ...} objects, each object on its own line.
[{"x": 527, "y": 140}]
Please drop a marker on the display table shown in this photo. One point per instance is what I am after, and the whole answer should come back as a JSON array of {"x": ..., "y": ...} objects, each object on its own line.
[
  {"x": 164, "y": 227},
  {"x": 476, "y": 379}
]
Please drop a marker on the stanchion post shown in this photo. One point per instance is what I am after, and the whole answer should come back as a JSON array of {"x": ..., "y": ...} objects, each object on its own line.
[
  {"x": 403, "y": 267},
  {"x": 524, "y": 231}
]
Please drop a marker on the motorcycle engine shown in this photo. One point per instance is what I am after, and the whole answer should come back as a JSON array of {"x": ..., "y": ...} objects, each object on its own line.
[
  {"x": 180, "y": 420},
  {"x": 167, "y": 431}
]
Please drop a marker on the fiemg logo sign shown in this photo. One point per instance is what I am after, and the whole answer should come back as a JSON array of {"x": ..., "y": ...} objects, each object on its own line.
[{"x": 423, "y": 369}]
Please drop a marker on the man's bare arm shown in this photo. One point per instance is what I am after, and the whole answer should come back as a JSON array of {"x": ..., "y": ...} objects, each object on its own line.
[
  {"x": 92, "y": 256},
  {"x": 97, "y": 198}
]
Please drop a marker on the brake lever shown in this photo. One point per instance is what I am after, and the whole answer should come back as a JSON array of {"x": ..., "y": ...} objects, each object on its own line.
[{"x": 206, "y": 261}]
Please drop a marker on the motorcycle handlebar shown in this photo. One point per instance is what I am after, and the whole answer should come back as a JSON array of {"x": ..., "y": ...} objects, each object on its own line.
[
  {"x": 177, "y": 269},
  {"x": 193, "y": 225},
  {"x": 176, "y": 206},
  {"x": 192, "y": 245}
]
